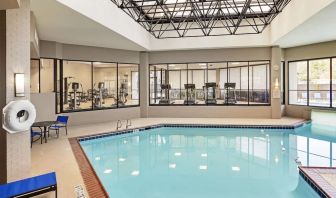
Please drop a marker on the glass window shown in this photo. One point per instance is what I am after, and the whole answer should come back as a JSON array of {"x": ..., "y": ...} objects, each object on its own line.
[
  {"x": 34, "y": 76},
  {"x": 214, "y": 87},
  {"x": 77, "y": 86},
  {"x": 333, "y": 93},
  {"x": 298, "y": 75},
  {"x": 47, "y": 75},
  {"x": 282, "y": 82},
  {"x": 259, "y": 81},
  {"x": 104, "y": 92},
  {"x": 159, "y": 89},
  {"x": 128, "y": 85},
  {"x": 319, "y": 82},
  {"x": 197, "y": 77}
]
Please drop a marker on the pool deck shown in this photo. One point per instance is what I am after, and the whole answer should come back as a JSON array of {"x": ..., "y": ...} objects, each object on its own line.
[
  {"x": 57, "y": 154},
  {"x": 321, "y": 179}
]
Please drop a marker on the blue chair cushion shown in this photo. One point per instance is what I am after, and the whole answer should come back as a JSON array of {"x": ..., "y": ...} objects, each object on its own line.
[
  {"x": 25, "y": 186},
  {"x": 34, "y": 133},
  {"x": 57, "y": 126}
]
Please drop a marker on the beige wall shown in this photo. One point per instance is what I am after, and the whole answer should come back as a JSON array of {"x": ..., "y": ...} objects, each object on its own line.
[
  {"x": 45, "y": 106},
  {"x": 210, "y": 111},
  {"x": 320, "y": 50},
  {"x": 211, "y": 55},
  {"x": 17, "y": 61}
]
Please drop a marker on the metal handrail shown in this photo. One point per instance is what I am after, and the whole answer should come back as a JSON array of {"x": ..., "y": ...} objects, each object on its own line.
[
  {"x": 128, "y": 123},
  {"x": 119, "y": 126}
]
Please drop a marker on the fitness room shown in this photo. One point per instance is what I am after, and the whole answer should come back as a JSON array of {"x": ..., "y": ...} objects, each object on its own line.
[{"x": 149, "y": 99}]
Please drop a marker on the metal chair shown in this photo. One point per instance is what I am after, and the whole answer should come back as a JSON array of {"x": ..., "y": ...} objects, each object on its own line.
[
  {"x": 62, "y": 123},
  {"x": 34, "y": 134}
]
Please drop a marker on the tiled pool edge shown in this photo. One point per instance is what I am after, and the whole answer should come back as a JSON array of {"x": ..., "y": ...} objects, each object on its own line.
[
  {"x": 92, "y": 183},
  {"x": 317, "y": 182},
  {"x": 132, "y": 130}
]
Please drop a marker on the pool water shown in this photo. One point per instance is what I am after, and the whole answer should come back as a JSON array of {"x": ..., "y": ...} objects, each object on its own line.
[{"x": 209, "y": 162}]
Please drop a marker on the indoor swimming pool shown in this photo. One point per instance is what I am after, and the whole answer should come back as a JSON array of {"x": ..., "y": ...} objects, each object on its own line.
[{"x": 195, "y": 162}]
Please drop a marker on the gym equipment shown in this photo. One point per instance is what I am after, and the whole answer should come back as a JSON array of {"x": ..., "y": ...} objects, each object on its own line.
[
  {"x": 165, "y": 99},
  {"x": 123, "y": 93},
  {"x": 210, "y": 93},
  {"x": 98, "y": 95},
  {"x": 190, "y": 92},
  {"x": 231, "y": 97},
  {"x": 74, "y": 101}
]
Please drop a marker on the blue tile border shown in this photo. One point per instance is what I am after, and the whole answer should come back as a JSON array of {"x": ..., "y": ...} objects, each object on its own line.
[
  {"x": 313, "y": 185},
  {"x": 115, "y": 133}
]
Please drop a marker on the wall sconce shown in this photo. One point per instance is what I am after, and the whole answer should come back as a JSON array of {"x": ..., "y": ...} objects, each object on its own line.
[
  {"x": 19, "y": 84},
  {"x": 276, "y": 83}
]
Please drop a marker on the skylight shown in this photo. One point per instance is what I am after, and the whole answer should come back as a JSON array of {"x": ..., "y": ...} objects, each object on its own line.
[{"x": 194, "y": 18}]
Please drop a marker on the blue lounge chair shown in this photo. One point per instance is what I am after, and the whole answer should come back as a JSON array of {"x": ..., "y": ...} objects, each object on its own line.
[
  {"x": 30, "y": 187},
  {"x": 62, "y": 123},
  {"x": 33, "y": 134}
]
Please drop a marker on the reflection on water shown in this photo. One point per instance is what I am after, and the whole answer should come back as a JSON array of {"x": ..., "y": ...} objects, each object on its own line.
[{"x": 196, "y": 162}]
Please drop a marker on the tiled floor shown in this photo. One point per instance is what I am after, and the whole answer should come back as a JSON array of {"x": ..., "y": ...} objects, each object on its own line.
[{"x": 56, "y": 155}]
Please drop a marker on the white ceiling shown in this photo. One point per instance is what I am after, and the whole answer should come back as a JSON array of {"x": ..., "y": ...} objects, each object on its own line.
[
  {"x": 319, "y": 28},
  {"x": 56, "y": 22}
]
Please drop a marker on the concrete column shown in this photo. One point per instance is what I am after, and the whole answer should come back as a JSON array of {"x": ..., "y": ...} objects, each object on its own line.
[
  {"x": 144, "y": 84},
  {"x": 276, "y": 74},
  {"x": 15, "y": 151}
]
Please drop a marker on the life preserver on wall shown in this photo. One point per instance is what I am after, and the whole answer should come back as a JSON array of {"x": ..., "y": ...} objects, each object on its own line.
[{"x": 18, "y": 116}]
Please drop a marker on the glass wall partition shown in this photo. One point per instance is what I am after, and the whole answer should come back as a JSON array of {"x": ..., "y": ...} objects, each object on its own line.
[
  {"x": 128, "y": 85},
  {"x": 298, "y": 86},
  {"x": 77, "y": 85},
  {"x": 42, "y": 75},
  {"x": 219, "y": 83},
  {"x": 104, "y": 92},
  {"x": 312, "y": 82},
  {"x": 98, "y": 85}
]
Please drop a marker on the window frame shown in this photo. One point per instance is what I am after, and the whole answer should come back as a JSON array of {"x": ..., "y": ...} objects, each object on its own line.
[
  {"x": 308, "y": 89},
  {"x": 268, "y": 81}
]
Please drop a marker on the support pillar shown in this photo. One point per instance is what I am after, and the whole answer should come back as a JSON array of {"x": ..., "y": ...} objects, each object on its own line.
[
  {"x": 276, "y": 76},
  {"x": 144, "y": 84}
]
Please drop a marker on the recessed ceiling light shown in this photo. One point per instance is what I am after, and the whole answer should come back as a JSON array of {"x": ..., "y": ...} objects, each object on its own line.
[
  {"x": 202, "y": 64},
  {"x": 135, "y": 173},
  {"x": 108, "y": 171},
  {"x": 203, "y": 67},
  {"x": 177, "y": 154},
  {"x": 172, "y": 165},
  {"x": 203, "y": 167},
  {"x": 235, "y": 63},
  {"x": 235, "y": 168},
  {"x": 172, "y": 65}
]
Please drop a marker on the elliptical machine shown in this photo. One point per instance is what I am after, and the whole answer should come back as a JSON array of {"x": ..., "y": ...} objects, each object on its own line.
[
  {"x": 123, "y": 93},
  {"x": 74, "y": 101},
  {"x": 165, "y": 99}
]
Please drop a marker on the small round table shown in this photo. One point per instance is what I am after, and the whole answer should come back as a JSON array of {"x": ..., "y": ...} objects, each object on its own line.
[{"x": 45, "y": 125}]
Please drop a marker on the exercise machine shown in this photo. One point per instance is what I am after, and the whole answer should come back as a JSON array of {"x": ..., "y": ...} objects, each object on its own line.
[
  {"x": 123, "y": 93},
  {"x": 165, "y": 99},
  {"x": 98, "y": 95},
  {"x": 231, "y": 97},
  {"x": 190, "y": 94},
  {"x": 210, "y": 93},
  {"x": 74, "y": 101}
]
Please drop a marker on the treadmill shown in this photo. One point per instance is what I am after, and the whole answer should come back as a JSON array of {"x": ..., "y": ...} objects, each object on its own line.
[
  {"x": 210, "y": 97},
  {"x": 190, "y": 88},
  {"x": 165, "y": 99},
  {"x": 231, "y": 97}
]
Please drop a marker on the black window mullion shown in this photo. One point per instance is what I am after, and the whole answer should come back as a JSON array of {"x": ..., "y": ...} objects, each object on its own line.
[
  {"x": 331, "y": 88},
  {"x": 118, "y": 85},
  {"x": 248, "y": 83},
  {"x": 92, "y": 102},
  {"x": 61, "y": 87},
  {"x": 308, "y": 81}
]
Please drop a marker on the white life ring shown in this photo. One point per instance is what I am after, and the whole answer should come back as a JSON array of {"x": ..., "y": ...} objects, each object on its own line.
[{"x": 18, "y": 116}]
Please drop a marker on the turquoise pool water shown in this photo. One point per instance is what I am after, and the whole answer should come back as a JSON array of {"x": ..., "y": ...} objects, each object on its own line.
[{"x": 209, "y": 162}]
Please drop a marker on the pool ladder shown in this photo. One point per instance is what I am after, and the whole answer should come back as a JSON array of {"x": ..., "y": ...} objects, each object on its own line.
[{"x": 128, "y": 124}]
